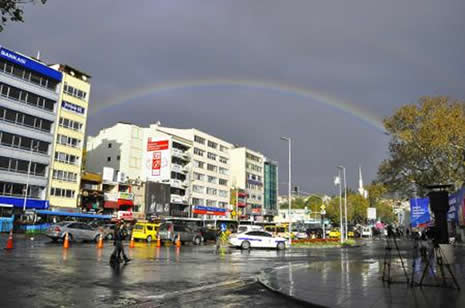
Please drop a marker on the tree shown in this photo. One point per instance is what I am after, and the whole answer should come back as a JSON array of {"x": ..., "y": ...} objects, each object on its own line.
[
  {"x": 427, "y": 146},
  {"x": 297, "y": 203},
  {"x": 356, "y": 209},
  {"x": 12, "y": 10}
]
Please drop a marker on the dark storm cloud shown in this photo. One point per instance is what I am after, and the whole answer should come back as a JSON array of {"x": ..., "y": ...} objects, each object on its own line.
[{"x": 376, "y": 55}]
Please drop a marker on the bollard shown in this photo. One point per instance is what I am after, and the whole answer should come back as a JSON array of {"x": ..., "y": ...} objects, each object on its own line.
[
  {"x": 158, "y": 241},
  {"x": 100, "y": 241},
  {"x": 131, "y": 243},
  {"x": 66, "y": 242},
  {"x": 178, "y": 241},
  {"x": 9, "y": 243}
]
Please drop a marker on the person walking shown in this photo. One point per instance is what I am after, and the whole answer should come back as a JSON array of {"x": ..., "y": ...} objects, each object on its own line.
[{"x": 118, "y": 236}]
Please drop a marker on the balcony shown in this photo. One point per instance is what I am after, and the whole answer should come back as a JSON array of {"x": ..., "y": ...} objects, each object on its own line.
[
  {"x": 178, "y": 199},
  {"x": 178, "y": 168},
  {"x": 180, "y": 154},
  {"x": 178, "y": 184}
]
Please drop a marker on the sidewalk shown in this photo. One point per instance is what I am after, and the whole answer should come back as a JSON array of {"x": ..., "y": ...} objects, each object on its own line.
[{"x": 356, "y": 282}]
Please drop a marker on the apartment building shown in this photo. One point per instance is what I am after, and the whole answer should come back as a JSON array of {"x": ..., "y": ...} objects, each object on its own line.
[
  {"x": 148, "y": 156},
  {"x": 65, "y": 173},
  {"x": 210, "y": 184},
  {"x": 247, "y": 173},
  {"x": 270, "y": 204},
  {"x": 29, "y": 99}
]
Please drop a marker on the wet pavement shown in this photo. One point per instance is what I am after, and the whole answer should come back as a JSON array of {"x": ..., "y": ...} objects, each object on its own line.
[
  {"x": 39, "y": 273},
  {"x": 354, "y": 280}
]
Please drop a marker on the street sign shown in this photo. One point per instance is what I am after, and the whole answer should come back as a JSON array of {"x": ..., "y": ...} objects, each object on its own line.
[
  {"x": 223, "y": 227},
  {"x": 323, "y": 207}
]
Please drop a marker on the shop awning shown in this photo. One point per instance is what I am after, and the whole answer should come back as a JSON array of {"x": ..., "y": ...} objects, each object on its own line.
[
  {"x": 123, "y": 202},
  {"x": 111, "y": 205}
]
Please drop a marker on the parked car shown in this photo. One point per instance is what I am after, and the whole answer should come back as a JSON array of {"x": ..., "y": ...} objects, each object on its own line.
[
  {"x": 257, "y": 239},
  {"x": 76, "y": 231},
  {"x": 145, "y": 231},
  {"x": 246, "y": 228},
  {"x": 366, "y": 232},
  {"x": 335, "y": 233},
  {"x": 170, "y": 231}
]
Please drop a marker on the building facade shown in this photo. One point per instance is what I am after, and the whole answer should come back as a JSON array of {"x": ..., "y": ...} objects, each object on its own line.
[
  {"x": 29, "y": 102},
  {"x": 247, "y": 173},
  {"x": 270, "y": 203},
  {"x": 65, "y": 169}
]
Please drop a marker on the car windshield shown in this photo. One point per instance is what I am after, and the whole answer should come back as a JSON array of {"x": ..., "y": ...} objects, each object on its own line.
[{"x": 138, "y": 227}]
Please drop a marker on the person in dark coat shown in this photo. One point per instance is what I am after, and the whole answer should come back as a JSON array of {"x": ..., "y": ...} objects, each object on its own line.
[{"x": 118, "y": 236}]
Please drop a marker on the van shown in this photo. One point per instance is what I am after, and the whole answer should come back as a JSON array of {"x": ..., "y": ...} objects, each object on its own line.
[{"x": 145, "y": 231}]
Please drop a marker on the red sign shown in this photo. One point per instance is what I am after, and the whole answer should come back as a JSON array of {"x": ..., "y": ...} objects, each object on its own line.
[
  {"x": 157, "y": 145},
  {"x": 156, "y": 163},
  {"x": 205, "y": 212},
  {"x": 125, "y": 215},
  {"x": 257, "y": 211}
]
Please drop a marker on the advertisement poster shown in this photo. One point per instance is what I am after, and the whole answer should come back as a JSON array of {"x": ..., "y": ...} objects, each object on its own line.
[
  {"x": 157, "y": 199},
  {"x": 460, "y": 207},
  {"x": 158, "y": 158},
  {"x": 419, "y": 212}
]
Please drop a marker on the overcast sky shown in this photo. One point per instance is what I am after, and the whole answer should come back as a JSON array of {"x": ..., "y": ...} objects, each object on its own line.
[{"x": 373, "y": 55}]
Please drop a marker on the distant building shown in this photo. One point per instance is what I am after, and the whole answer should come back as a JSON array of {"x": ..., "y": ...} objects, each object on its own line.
[{"x": 270, "y": 205}]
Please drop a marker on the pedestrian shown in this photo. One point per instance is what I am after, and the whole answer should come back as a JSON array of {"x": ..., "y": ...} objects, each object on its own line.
[{"x": 118, "y": 236}]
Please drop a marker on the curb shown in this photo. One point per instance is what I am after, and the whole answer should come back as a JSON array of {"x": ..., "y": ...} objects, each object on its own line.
[{"x": 261, "y": 280}]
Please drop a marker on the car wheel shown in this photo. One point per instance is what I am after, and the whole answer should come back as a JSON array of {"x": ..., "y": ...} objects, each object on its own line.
[
  {"x": 281, "y": 246},
  {"x": 197, "y": 240},
  {"x": 245, "y": 245},
  {"x": 149, "y": 239}
]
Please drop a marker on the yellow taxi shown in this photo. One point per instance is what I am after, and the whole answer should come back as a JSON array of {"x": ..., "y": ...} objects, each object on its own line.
[
  {"x": 335, "y": 233},
  {"x": 278, "y": 230},
  {"x": 145, "y": 231}
]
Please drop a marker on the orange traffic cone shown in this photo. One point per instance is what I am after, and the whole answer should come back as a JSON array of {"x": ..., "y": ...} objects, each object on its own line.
[
  {"x": 100, "y": 241},
  {"x": 131, "y": 243},
  {"x": 9, "y": 243},
  {"x": 158, "y": 241},
  {"x": 178, "y": 241},
  {"x": 66, "y": 242}
]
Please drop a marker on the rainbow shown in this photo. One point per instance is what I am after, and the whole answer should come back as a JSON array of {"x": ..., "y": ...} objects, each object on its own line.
[{"x": 280, "y": 88}]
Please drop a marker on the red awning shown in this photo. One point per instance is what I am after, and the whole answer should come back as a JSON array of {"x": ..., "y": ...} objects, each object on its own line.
[
  {"x": 111, "y": 205},
  {"x": 125, "y": 202}
]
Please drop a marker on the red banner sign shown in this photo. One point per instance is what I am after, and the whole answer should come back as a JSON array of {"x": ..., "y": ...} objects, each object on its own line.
[{"x": 157, "y": 145}]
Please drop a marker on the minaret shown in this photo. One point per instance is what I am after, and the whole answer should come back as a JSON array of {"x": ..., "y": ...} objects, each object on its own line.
[{"x": 361, "y": 190}]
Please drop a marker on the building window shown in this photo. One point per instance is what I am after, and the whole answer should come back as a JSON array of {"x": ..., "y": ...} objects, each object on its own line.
[
  {"x": 223, "y": 148},
  {"x": 70, "y": 124},
  {"x": 212, "y": 179},
  {"x": 211, "y": 191},
  {"x": 74, "y": 92},
  {"x": 199, "y": 139},
  {"x": 223, "y": 182},
  {"x": 22, "y": 166},
  {"x": 63, "y": 193},
  {"x": 211, "y": 156},
  {"x": 118, "y": 157},
  {"x": 26, "y": 97},
  {"x": 108, "y": 159},
  {"x": 24, "y": 143},
  {"x": 212, "y": 144},
  {"x": 198, "y": 189},
  {"x": 196, "y": 201},
  {"x": 223, "y": 171},
  {"x": 25, "y": 74},
  {"x": 23, "y": 119},
  {"x": 109, "y": 145},
  {"x": 68, "y": 141},
  {"x": 223, "y": 160},
  {"x": 199, "y": 177},
  {"x": 66, "y": 158},
  {"x": 198, "y": 151},
  {"x": 211, "y": 202},
  {"x": 64, "y": 176},
  {"x": 223, "y": 193},
  {"x": 199, "y": 164},
  {"x": 212, "y": 168}
]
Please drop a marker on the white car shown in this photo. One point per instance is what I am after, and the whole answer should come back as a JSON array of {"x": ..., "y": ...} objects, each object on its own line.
[
  {"x": 366, "y": 232},
  {"x": 257, "y": 239},
  {"x": 246, "y": 228}
]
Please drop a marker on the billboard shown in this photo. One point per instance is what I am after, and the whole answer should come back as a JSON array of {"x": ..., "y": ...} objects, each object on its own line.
[
  {"x": 157, "y": 159},
  {"x": 419, "y": 212},
  {"x": 371, "y": 213},
  {"x": 209, "y": 210},
  {"x": 157, "y": 199}
]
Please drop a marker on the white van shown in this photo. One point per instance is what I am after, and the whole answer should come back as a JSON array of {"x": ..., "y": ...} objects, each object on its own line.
[
  {"x": 366, "y": 232},
  {"x": 247, "y": 228}
]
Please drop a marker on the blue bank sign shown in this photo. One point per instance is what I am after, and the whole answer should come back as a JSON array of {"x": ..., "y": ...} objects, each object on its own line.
[
  {"x": 30, "y": 64},
  {"x": 72, "y": 107}
]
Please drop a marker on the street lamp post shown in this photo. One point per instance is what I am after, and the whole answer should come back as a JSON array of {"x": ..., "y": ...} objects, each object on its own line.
[
  {"x": 345, "y": 200},
  {"x": 338, "y": 182},
  {"x": 28, "y": 174},
  {"x": 288, "y": 139}
]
